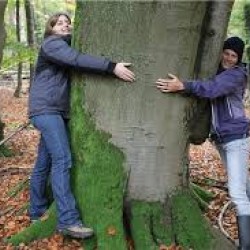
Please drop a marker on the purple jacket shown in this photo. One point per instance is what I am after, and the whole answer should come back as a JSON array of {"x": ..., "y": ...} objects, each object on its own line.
[{"x": 225, "y": 91}]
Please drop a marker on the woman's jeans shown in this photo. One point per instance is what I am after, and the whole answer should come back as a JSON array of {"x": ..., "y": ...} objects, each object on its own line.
[
  {"x": 235, "y": 156},
  {"x": 54, "y": 161}
]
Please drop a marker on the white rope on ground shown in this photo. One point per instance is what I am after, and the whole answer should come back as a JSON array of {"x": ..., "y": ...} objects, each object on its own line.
[{"x": 220, "y": 219}]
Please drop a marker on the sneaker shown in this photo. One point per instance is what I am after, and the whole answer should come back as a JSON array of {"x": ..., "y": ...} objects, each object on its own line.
[
  {"x": 78, "y": 231},
  {"x": 44, "y": 217}
]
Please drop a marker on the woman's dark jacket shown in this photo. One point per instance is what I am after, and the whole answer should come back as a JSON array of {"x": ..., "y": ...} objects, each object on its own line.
[
  {"x": 226, "y": 91},
  {"x": 49, "y": 92}
]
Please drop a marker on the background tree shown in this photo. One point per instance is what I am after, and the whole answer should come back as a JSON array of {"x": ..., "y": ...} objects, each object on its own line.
[
  {"x": 30, "y": 23},
  {"x": 246, "y": 11},
  {"x": 3, "y": 5},
  {"x": 240, "y": 23},
  {"x": 132, "y": 141},
  {"x": 18, "y": 36}
]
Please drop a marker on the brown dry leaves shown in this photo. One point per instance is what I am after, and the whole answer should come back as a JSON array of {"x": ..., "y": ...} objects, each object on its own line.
[{"x": 205, "y": 165}]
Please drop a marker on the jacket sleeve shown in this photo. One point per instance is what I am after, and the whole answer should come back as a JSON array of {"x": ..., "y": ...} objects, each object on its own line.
[
  {"x": 222, "y": 84},
  {"x": 59, "y": 52}
]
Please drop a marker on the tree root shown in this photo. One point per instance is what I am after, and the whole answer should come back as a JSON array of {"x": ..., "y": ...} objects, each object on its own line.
[
  {"x": 37, "y": 230},
  {"x": 190, "y": 227},
  {"x": 148, "y": 227}
]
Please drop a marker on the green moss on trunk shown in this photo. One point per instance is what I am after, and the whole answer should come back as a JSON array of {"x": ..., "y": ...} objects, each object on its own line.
[
  {"x": 190, "y": 227},
  {"x": 148, "y": 225},
  {"x": 97, "y": 177},
  {"x": 179, "y": 221}
]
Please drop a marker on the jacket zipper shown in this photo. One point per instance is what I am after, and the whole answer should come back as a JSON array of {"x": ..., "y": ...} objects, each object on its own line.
[
  {"x": 229, "y": 107},
  {"x": 214, "y": 120}
]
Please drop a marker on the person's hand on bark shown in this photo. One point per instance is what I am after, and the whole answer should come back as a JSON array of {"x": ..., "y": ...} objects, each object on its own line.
[
  {"x": 122, "y": 72},
  {"x": 170, "y": 84}
]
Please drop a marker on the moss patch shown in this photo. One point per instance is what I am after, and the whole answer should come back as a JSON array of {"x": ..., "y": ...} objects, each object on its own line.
[
  {"x": 148, "y": 225},
  {"x": 190, "y": 227},
  {"x": 97, "y": 177}
]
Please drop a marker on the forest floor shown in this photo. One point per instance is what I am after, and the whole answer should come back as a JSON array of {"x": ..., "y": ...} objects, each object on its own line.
[{"x": 205, "y": 169}]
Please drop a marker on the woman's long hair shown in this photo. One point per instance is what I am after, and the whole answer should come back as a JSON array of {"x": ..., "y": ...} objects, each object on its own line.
[{"x": 52, "y": 21}]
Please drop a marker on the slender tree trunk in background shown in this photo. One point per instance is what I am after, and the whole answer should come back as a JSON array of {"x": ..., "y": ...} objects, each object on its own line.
[
  {"x": 30, "y": 22},
  {"x": 3, "y": 5},
  {"x": 131, "y": 141},
  {"x": 20, "y": 65},
  {"x": 247, "y": 26},
  {"x": 246, "y": 11},
  {"x": 39, "y": 20}
]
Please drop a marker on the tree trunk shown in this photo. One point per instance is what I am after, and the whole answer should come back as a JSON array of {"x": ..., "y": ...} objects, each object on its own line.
[
  {"x": 18, "y": 36},
  {"x": 30, "y": 22},
  {"x": 247, "y": 27},
  {"x": 151, "y": 129},
  {"x": 157, "y": 38},
  {"x": 131, "y": 140},
  {"x": 3, "y": 5}
]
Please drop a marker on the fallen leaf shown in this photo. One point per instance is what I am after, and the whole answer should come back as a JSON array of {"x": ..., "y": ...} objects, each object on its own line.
[{"x": 111, "y": 231}]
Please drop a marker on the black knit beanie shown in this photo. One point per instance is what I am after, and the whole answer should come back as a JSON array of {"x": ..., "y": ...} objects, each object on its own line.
[{"x": 236, "y": 44}]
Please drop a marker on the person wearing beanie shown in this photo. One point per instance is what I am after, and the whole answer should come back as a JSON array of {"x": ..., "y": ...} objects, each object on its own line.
[
  {"x": 235, "y": 44},
  {"x": 229, "y": 124}
]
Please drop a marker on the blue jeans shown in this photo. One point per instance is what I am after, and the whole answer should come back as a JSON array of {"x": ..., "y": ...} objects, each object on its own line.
[
  {"x": 235, "y": 155},
  {"x": 54, "y": 161}
]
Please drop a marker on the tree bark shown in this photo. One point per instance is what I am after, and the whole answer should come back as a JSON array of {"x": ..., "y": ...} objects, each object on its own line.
[
  {"x": 150, "y": 128},
  {"x": 30, "y": 23},
  {"x": 3, "y": 5},
  {"x": 137, "y": 116},
  {"x": 20, "y": 65},
  {"x": 247, "y": 27},
  {"x": 131, "y": 140}
]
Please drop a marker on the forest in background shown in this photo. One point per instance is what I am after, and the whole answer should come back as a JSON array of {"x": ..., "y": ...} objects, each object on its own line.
[{"x": 25, "y": 21}]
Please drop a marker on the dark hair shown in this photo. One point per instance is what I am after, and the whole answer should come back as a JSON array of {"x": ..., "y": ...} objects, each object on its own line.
[{"x": 52, "y": 22}]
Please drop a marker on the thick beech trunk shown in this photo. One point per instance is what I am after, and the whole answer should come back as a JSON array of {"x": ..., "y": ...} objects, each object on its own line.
[{"x": 151, "y": 128}]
